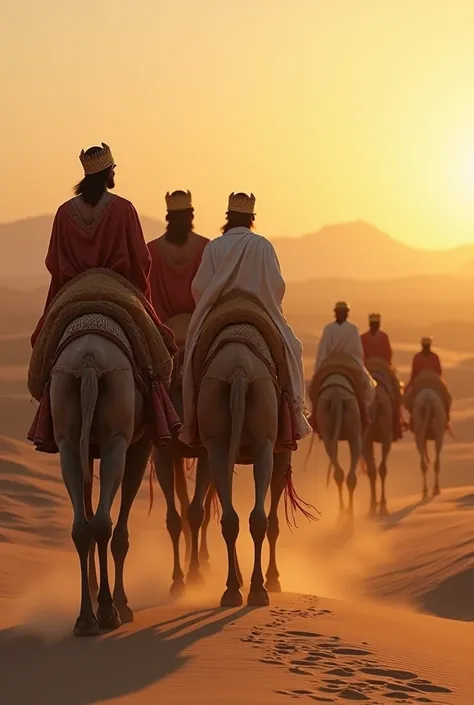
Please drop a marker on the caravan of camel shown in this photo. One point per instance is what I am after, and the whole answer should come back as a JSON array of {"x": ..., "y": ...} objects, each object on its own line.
[{"x": 179, "y": 351}]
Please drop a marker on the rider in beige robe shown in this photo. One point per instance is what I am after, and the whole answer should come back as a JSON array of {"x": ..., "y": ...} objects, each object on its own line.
[{"x": 242, "y": 260}]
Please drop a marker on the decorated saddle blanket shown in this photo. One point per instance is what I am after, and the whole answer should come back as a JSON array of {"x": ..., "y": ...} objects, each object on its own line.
[
  {"x": 427, "y": 379},
  {"x": 96, "y": 298},
  {"x": 243, "y": 320},
  {"x": 238, "y": 310},
  {"x": 345, "y": 366}
]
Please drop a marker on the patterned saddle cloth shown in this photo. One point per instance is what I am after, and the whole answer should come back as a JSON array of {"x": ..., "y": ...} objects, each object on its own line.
[
  {"x": 428, "y": 379},
  {"x": 96, "y": 298},
  {"x": 247, "y": 335},
  {"x": 342, "y": 365},
  {"x": 239, "y": 317}
]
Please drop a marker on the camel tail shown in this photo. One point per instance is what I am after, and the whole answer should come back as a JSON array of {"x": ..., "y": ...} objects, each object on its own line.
[
  {"x": 238, "y": 396},
  {"x": 337, "y": 407},
  {"x": 89, "y": 395}
]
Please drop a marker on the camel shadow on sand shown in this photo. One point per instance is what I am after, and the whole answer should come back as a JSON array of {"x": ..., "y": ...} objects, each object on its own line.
[{"x": 86, "y": 671}]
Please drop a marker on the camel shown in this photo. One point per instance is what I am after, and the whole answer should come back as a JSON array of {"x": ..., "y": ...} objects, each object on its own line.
[
  {"x": 95, "y": 401},
  {"x": 238, "y": 407},
  {"x": 429, "y": 421},
  {"x": 380, "y": 428},
  {"x": 169, "y": 464},
  {"x": 337, "y": 417}
]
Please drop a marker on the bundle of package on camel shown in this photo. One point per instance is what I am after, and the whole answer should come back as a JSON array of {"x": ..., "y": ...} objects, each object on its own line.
[
  {"x": 351, "y": 378},
  {"x": 428, "y": 380},
  {"x": 103, "y": 302},
  {"x": 386, "y": 376},
  {"x": 240, "y": 318}
]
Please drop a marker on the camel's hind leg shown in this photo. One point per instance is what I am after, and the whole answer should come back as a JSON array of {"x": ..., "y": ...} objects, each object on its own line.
[
  {"x": 184, "y": 503},
  {"x": 203, "y": 549},
  {"x": 67, "y": 422},
  {"x": 163, "y": 461},
  {"x": 369, "y": 460},
  {"x": 280, "y": 463},
  {"x": 135, "y": 465},
  {"x": 437, "y": 464},
  {"x": 262, "y": 422},
  {"x": 93, "y": 581},
  {"x": 386, "y": 446},
  {"x": 355, "y": 443},
  {"x": 195, "y": 518},
  {"x": 115, "y": 422}
]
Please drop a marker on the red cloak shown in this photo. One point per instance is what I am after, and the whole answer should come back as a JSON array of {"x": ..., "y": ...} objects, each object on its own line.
[
  {"x": 376, "y": 345},
  {"x": 423, "y": 361},
  {"x": 173, "y": 269},
  {"x": 113, "y": 241}
]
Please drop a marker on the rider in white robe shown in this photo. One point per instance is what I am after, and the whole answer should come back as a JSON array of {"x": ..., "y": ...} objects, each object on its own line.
[
  {"x": 241, "y": 259},
  {"x": 343, "y": 336}
]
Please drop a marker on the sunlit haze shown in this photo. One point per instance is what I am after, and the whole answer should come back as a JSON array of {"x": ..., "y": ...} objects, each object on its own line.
[{"x": 328, "y": 110}]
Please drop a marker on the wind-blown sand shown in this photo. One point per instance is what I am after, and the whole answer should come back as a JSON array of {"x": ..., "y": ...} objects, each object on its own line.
[{"x": 379, "y": 614}]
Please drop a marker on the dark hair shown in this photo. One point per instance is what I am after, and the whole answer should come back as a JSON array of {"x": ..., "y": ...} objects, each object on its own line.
[
  {"x": 93, "y": 186},
  {"x": 180, "y": 223},
  {"x": 238, "y": 220}
]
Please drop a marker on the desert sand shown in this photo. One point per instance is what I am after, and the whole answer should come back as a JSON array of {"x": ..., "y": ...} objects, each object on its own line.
[{"x": 381, "y": 613}]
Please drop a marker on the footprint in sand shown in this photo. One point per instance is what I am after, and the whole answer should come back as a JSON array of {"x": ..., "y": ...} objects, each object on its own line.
[{"x": 338, "y": 671}]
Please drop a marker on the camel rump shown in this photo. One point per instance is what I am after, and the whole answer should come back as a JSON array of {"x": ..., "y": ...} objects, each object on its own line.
[
  {"x": 241, "y": 319},
  {"x": 103, "y": 302},
  {"x": 427, "y": 379},
  {"x": 347, "y": 367},
  {"x": 386, "y": 375}
]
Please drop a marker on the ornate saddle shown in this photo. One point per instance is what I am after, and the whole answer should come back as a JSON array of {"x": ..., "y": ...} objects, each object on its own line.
[
  {"x": 347, "y": 367},
  {"x": 103, "y": 302},
  {"x": 427, "y": 379}
]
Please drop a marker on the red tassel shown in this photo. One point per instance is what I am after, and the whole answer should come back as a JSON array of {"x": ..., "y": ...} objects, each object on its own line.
[
  {"x": 294, "y": 503},
  {"x": 151, "y": 465}
]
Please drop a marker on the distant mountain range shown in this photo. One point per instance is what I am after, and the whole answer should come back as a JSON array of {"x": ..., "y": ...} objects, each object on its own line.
[{"x": 357, "y": 251}]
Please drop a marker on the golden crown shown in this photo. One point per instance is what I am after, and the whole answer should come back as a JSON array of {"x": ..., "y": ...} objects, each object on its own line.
[
  {"x": 241, "y": 203},
  {"x": 375, "y": 318},
  {"x": 93, "y": 163},
  {"x": 341, "y": 305},
  {"x": 178, "y": 201}
]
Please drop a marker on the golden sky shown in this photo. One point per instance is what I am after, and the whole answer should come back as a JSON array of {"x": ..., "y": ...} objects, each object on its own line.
[{"x": 328, "y": 110}]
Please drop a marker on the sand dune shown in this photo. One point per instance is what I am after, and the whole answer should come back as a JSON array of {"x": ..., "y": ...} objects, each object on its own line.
[{"x": 381, "y": 613}]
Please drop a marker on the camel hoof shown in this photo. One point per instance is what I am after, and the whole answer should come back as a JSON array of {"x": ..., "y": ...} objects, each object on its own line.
[
  {"x": 177, "y": 588},
  {"x": 258, "y": 598},
  {"x": 383, "y": 511},
  {"x": 425, "y": 497},
  {"x": 126, "y": 614},
  {"x": 194, "y": 578},
  {"x": 273, "y": 585},
  {"x": 436, "y": 492},
  {"x": 372, "y": 512},
  {"x": 109, "y": 619},
  {"x": 231, "y": 598},
  {"x": 86, "y": 627}
]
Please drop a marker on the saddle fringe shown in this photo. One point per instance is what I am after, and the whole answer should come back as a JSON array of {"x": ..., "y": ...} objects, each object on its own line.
[{"x": 294, "y": 503}]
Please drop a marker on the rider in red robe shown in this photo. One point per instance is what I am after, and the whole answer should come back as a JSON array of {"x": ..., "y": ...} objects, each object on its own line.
[
  {"x": 176, "y": 257},
  {"x": 426, "y": 359},
  {"x": 375, "y": 342},
  {"x": 97, "y": 229}
]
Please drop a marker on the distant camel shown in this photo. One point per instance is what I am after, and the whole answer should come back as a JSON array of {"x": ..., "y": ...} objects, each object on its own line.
[
  {"x": 380, "y": 431},
  {"x": 429, "y": 423},
  {"x": 337, "y": 418},
  {"x": 95, "y": 401},
  {"x": 238, "y": 406}
]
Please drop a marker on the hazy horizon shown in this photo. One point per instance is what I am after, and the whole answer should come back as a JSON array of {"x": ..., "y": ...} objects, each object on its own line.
[{"x": 328, "y": 112}]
